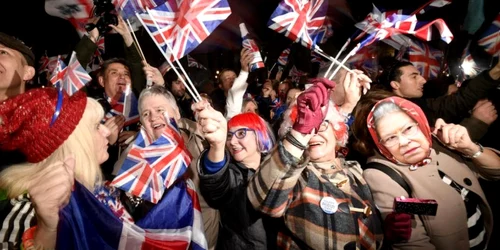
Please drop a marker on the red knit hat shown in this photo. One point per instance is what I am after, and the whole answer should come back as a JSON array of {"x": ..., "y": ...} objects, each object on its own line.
[{"x": 26, "y": 121}]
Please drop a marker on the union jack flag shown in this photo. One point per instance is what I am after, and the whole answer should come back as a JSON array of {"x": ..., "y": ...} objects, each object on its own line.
[
  {"x": 296, "y": 74},
  {"x": 130, "y": 7},
  {"x": 97, "y": 60},
  {"x": 184, "y": 23},
  {"x": 152, "y": 167},
  {"x": 76, "y": 77},
  {"x": 58, "y": 74},
  {"x": 192, "y": 63},
  {"x": 300, "y": 20},
  {"x": 48, "y": 64},
  {"x": 250, "y": 44},
  {"x": 400, "y": 24},
  {"x": 374, "y": 20},
  {"x": 124, "y": 104},
  {"x": 365, "y": 59},
  {"x": 77, "y": 12},
  {"x": 426, "y": 59},
  {"x": 490, "y": 39},
  {"x": 283, "y": 59}
]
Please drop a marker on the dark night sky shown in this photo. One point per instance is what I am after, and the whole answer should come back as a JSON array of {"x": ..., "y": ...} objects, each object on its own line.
[{"x": 28, "y": 21}]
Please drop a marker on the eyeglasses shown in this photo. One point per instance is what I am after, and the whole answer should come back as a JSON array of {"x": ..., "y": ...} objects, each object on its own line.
[
  {"x": 323, "y": 126},
  {"x": 239, "y": 133},
  {"x": 408, "y": 131}
]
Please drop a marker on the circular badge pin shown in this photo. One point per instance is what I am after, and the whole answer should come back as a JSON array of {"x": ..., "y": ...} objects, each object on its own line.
[{"x": 329, "y": 205}]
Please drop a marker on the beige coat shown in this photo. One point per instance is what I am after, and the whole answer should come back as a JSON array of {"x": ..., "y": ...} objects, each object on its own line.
[{"x": 448, "y": 229}]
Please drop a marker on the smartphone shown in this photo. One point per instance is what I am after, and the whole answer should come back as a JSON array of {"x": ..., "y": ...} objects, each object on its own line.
[{"x": 415, "y": 206}]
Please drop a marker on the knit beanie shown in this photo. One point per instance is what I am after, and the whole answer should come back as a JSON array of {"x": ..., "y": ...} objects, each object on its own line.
[{"x": 37, "y": 122}]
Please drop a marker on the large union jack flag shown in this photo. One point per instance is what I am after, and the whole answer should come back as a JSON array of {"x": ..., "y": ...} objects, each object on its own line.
[
  {"x": 301, "y": 21},
  {"x": 365, "y": 59},
  {"x": 152, "y": 167},
  {"x": 184, "y": 23},
  {"x": 426, "y": 59},
  {"x": 490, "y": 40}
]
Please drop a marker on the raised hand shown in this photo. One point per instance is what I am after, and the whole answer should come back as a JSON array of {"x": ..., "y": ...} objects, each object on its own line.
[
  {"x": 211, "y": 124},
  {"x": 454, "y": 136},
  {"x": 246, "y": 58},
  {"x": 309, "y": 106},
  {"x": 153, "y": 74},
  {"x": 123, "y": 30}
]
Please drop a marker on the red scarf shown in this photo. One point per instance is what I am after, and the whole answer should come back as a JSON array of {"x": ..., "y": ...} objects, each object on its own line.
[{"x": 412, "y": 110}]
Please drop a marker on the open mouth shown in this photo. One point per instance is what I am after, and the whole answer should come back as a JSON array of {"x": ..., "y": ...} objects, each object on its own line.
[
  {"x": 237, "y": 150},
  {"x": 315, "y": 144},
  {"x": 157, "y": 127}
]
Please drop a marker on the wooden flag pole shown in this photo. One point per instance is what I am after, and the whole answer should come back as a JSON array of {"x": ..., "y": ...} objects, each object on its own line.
[{"x": 149, "y": 82}]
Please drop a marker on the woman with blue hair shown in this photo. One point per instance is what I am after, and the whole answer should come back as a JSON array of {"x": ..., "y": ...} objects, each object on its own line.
[{"x": 224, "y": 176}]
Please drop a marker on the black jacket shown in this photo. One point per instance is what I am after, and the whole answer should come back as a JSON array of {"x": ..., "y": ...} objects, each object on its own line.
[{"x": 242, "y": 227}]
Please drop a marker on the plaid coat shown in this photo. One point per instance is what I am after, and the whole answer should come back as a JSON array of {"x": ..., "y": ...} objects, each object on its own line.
[{"x": 283, "y": 187}]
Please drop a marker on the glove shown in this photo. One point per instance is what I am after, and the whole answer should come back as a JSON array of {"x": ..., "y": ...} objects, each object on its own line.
[
  {"x": 397, "y": 227},
  {"x": 309, "y": 104}
]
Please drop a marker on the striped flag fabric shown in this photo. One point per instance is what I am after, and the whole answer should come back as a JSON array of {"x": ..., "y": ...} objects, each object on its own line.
[
  {"x": 300, "y": 21},
  {"x": 124, "y": 104},
  {"x": 192, "y": 63},
  {"x": 151, "y": 167},
  {"x": 426, "y": 59},
  {"x": 86, "y": 223},
  {"x": 75, "y": 76},
  {"x": 283, "y": 58},
  {"x": 490, "y": 39}
]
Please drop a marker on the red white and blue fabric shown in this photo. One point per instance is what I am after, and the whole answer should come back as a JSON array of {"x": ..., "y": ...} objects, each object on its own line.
[
  {"x": 426, "y": 59},
  {"x": 152, "y": 167},
  {"x": 58, "y": 74},
  {"x": 283, "y": 58},
  {"x": 185, "y": 23},
  {"x": 301, "y": 21},
  {"x": 296, "y": 74},
  {"x": 75, "y": 76},
  {"x": 373, "y": 21},
  {"x": 192, "y": 63},
  {"x": 125, "y": 105},
  {"x": 97, "y": 60},
  {"x": 401, "y": 24},
  {"x": 365, "y": 59},
  {"x": 174, "y": 223},
  {"x": 110, "y": 196},
  {"x": 48, "y": 64},
  {"x": 315, "y": 58},
  {"x": 490, "y": 39},
  {"x": 130, "y": 7},
  {"x": 250, "y": 44},
  {"x": 77, "y": 12}
]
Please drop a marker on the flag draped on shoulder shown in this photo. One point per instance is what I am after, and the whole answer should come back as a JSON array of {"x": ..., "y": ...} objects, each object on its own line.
[
  {"x": 300, "y": 20},
  {"x": 151, "y": 167},
  {"x": 86, "y": 223},
  {"x": 184, "y": 24}
]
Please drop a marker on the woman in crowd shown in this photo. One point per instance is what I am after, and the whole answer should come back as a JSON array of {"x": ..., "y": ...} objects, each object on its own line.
[
  {"x": 224, "y": 176},
  {"x": 433, "y": 169},
  {"x": 322, "y": 200},
  {"x": 50, "y": 128}
]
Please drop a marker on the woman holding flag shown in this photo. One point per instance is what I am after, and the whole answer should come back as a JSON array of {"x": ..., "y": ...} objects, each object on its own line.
[{"x": 52, "y": 130}]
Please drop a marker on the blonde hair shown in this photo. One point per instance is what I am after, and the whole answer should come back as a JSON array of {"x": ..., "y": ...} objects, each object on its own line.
[{"x": 80, "y": 144}]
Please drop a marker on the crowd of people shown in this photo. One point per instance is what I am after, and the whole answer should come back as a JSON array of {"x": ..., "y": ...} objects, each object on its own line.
[{"x": 313, "y": 166}]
